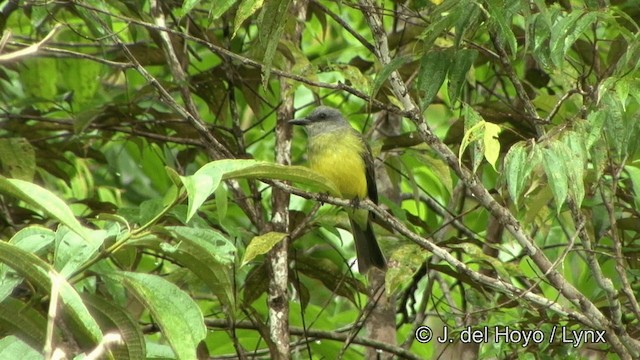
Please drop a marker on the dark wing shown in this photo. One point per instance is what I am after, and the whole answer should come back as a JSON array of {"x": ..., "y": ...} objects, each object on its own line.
[{"x": 372, "y": 189}]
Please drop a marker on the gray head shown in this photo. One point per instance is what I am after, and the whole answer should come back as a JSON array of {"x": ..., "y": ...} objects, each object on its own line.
[{"x": 322, "y": 119}]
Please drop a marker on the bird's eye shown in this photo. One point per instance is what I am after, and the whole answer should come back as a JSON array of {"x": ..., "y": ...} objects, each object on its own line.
[{"x": 322, "y": 116}]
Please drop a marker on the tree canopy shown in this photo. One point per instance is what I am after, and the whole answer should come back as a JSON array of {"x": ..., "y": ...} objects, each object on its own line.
[{"x": 155, "y": 202}]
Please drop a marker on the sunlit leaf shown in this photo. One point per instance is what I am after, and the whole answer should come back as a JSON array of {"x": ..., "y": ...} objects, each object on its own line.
[
  {"x": 43, "y": 199},
  {"x": 177, "y": 315},
  {"x": 261, "y": 245},
  {"x": 491, "y": 143},
  {"x": 245, "y": 10}
]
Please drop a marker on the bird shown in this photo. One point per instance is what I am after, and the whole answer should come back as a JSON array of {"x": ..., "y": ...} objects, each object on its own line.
[{"x": 338, "y": 152}]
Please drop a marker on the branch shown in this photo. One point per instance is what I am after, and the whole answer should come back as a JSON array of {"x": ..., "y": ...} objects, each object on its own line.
[
  {"x": 30, "y": 50},
  {"x": 313, "y": 334}
]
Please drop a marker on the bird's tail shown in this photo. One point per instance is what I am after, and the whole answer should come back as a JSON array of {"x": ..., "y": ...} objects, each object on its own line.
[{"x": 367, "y": 248}]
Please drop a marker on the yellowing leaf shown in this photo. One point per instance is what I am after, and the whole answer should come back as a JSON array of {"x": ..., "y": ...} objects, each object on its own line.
[
  {"x": 491, "y": 143},
  {"x": 260, "y": 245}
]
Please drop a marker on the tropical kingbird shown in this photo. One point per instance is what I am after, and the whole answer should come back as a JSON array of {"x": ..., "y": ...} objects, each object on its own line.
[{"x": 339, "y": 153}]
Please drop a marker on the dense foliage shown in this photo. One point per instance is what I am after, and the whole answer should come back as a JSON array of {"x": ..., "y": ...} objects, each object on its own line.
[{"x": 139, "y": 187}]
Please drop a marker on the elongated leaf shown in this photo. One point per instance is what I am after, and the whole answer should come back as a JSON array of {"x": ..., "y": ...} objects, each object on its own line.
[
  {"x": 595, "y": 123},
  {"x": 462, "y": 62},
  {"x": 246, "y": 9},
  {"x": 260, "y": 245},
  {"x": 433, "y": 70},
  {"x": 474, "y": 130},
  {"x": 576, "y": 152},
  {"x": 118, "y": 319},
  {"x": 409, "y": 258},
  {"x": 252, "y": 169},
  {"x": 199, "y": 187},
  {"x": 634, "y": 175},
  {"x": 187, "y": 5},
  {"x": 383, "y": 75},
  {"x": 220, "y": 7},
  {"x": 271, "y": 22},
  {"x": 331, "y": 276},
  {"x": 517, "y": 170},
  {"x": 207, "y": 253},
  {"x": 37, "y": 272},
  {"x": 17, "y": 158},
  {"x": 557, "y": 175},
  {"x": 207, "y": 179},
  {"x": 12, "y": 347},
  {"x": 583, "y": 24},
  {"x": 24, "y": 322},
  {"x": 491, "y": 143},
  {"x": 72, "y": 251},
  {"x": 177, "y": 315},
  {"x": 44, "y": 200},
  {"x": 559, "y": 34},
  {"x": 33, "y": 239},
  {"x": 500, "y": 18},
  {"x": 39, "y": 77}
]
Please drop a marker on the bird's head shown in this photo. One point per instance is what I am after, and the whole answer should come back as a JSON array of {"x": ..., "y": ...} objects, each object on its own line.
[{"x": 322, "y": 119}]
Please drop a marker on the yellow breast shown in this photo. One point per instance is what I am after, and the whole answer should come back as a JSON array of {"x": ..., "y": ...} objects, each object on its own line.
[{"x": 338, "y": 156}]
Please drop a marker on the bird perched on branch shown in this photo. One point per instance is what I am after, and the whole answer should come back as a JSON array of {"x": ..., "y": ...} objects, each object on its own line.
[{"x": 339, "y": 153}]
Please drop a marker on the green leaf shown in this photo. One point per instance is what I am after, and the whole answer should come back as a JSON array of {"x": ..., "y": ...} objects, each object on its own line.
[
  {"x": 187, "y": 6},
  {"x": 501, "y": 20},
  {"x": 207, "y": 179},
  {"x": 433, "y": 70},
  {"x": 576, "y": 155},
  {"x": 38, "y": 273},
  {"x": 118, "y": 319},
  {"x": 584, "y": 23},
  {"x": 386, "y": 71},
  {"x": 462, "y": 62},
  {"x": 12, "y": 347},
  {"x": 221, "y": 203},
  {"x": 634, "y": 175},
  {"x": 261, "y": 245},
  {"x": 72, "y": 251},
  {"x": 595, "y": 123},
  {"x": 271, "y": 23},
  {"x": 517, "y": 170},
  {"x": 209, "y": 255},
  {"x": 200, "y": 186},
  {"x": 39, "y": 77},
  {"x": 559, "y": 33},
  {"x": 410, "y": 258},
  {"x": 253, "y": 169},
  {"x": 256, "y": 284},
  {"x": 219, "y": 8},
  {"x": 17, "y": 158},
  {"x": 23, "y": 321},
  {"x": 622, "y": 89},
  {"x": 331, "y": 276},
  {"x": 557, "y": 176},
  {"x": 177, "y": 315},
  {"x": 246, "y": 9},
  {"x": 82, "y": 78},
  {"x": 45, "y": 200},
  {"x": 474, "y": 131}
]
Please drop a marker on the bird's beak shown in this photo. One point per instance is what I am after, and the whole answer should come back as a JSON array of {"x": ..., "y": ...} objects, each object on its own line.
[{"x": 303, "y": 121}]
